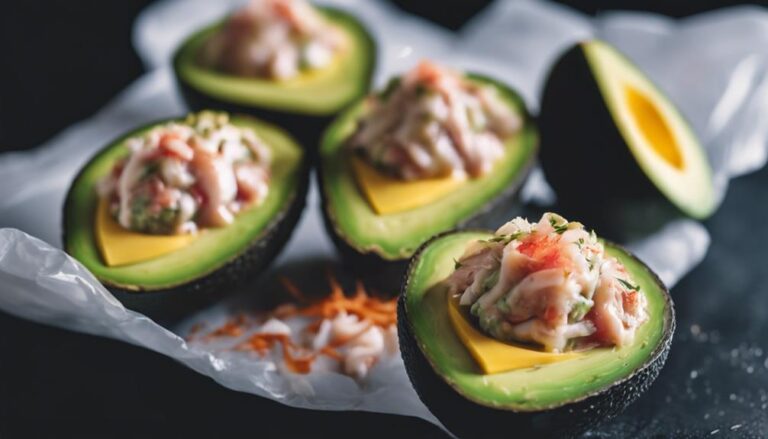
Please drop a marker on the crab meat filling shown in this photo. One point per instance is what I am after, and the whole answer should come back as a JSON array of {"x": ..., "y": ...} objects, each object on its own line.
[
  {"x": 181, "y": 176},
  {"x": 434, "y": 122},
  {"x": 548, "y": 283},
  {"x": 275, "y": 39}
]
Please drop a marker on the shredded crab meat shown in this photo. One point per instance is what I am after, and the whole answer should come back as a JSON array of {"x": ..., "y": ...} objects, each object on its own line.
[
  {"x": 548, "y": 283},
  {"x": 434, "y": 122},
  {"x": 353, "y": 332},
  {"x": 181, "y": 176},
  {"x": 273, "y": 39}
]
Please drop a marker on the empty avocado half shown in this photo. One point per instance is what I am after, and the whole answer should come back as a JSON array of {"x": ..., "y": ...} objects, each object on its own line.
[
  {"x": 166, "y": 276},
  {"x": 377, "y": 223},
  {"x": 515, "y": 389},
  {"x": 309, "y": 100},
  {"x": 611, "y": 139}
]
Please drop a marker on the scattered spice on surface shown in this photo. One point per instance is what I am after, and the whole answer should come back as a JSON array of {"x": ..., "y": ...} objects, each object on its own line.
[{"x": 353, "y": 331}]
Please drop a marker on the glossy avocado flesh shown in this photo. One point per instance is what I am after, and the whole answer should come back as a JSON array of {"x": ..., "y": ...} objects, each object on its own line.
[
  {"x": 370, "y": 240},
  {"x": 558, "y": 399},
  {"x": 610, "y": 136},
  {"x": 219, "y": 259},
  {"x": 308, "y": 101}
]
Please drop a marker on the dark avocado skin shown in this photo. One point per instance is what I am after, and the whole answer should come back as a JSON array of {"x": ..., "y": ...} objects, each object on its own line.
[
  {"x": 381, "y": 274},
  {"x": 467, "y": 419},
  {"x": 593, "y": 172},
  {"x": 173, "y": 303},
  {"x": 311, "y": 126},
  {"x": 386, "y": 274}
]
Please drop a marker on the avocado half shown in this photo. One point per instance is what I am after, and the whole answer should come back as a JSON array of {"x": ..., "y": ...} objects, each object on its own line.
[
  {"x": 210, "y": 267},
  {"x": 309, "y": 101},
  {"x": 615, "y": 149},
  {"x": 379, "y": 246},
  {"x": 553, "y": 400}
]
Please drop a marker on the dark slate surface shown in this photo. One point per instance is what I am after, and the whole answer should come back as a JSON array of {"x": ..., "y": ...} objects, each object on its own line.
[
  {"x": 55, "y": 383},
  {"x": 716, "y": 378},
  {"x": 58, "y": 383}
]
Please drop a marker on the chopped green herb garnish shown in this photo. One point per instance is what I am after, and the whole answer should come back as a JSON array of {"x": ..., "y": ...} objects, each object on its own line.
[
  {"x": 456, "y": 264},
  {"x": 579, "y": 310},
  {"x": 559, "y": 229},
  {"x": 628, "y": 285},
  {"x": 503, "y": 306},
  {"x": 390, "y": 88},
  {"x": 491, "y": 280},
  {"x": 151, "y": 169},
  {"x": 506, "y": 239}
]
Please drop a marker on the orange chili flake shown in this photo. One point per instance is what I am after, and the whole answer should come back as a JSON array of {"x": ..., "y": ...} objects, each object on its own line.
[
  {"x": 332, "y": 353},
  {"x": 292, "y": 289},
  {"x": 264, "y": 342},
  {"x": 233, "y": 328},
  {"x": 194, "y": 331}
]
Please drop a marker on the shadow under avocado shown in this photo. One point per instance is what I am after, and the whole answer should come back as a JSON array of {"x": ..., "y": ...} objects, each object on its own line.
[
  {"x": 312, "y": 276},
  {"x": 623, "y": 220}
]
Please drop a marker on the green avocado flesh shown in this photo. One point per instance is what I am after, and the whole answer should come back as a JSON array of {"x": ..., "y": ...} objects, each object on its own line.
[
  {"x": 397, "y": 236},
  {"x": 691, "y": 189},
  {"x": 529, "y": 389},
  {"x": 321, "y": 92},
  {"x": 603, "y": 117},
  {"x": 212, "y": 250}
]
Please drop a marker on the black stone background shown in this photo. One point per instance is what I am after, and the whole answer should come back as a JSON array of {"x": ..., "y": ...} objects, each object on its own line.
[{"x": 60, "y": 60}]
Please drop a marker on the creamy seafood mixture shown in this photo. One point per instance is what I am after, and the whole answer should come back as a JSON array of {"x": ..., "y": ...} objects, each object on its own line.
[
  {"x": 275, "y": 39},
  {"x": 181, "y": 176},
  {"x": 434, "y": 122},
  {"x": 548, "y": 283}
]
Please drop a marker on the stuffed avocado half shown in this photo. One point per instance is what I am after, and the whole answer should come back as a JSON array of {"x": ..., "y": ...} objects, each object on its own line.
[
  {"x": 285, "y": 61},
  {"x": 541, "y": 329},
  {"x": 392, "y": 172},
  {"x": 613, "y": 139},
  {"x": 174, "y": 214}
]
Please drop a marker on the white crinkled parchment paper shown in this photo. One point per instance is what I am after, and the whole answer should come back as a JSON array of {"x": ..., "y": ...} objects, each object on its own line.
[{"x": 713, "y": 66}]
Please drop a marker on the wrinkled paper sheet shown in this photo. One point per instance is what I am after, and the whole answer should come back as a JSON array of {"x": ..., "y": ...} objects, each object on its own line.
[{"x": 713, "y": 66}]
